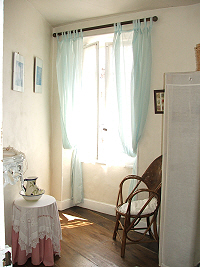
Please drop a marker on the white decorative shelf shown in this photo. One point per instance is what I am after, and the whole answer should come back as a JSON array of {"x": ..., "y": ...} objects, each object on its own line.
[{"x": 13, "y": 166}]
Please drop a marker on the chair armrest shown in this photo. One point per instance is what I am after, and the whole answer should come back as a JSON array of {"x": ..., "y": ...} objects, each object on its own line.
[
  {"x": 152, "y": 194},
  {"x": 129, "y": 177},
  {"x": 133, "y": 194}
]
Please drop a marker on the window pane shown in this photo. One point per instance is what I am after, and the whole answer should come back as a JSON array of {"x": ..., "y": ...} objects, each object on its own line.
[
  {"x": 100, "y": 137},
  {"x": 89, "y": 111}
]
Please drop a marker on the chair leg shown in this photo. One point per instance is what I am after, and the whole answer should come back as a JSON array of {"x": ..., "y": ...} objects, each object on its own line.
[
  {"x": 150, "y": 232},
  {"x": 116, "y": 226},
  {"x": 155, "y": 230},
  {"x": 124, "y": 236},
  {"x": 123, "y": 243}
]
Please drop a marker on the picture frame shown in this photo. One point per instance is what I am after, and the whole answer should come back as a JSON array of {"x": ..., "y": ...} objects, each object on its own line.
[
  {"x": 159, "y": 101},
  {"x": 38, "y": 75},
  {"x": 18, "y": 72}
]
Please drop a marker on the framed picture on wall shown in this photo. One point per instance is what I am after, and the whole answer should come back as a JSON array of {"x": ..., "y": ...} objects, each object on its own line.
[
  {"x": 159, "y": 101},
  {"x": 18, "y": 72},
  {"x": 38, "y": 75}
]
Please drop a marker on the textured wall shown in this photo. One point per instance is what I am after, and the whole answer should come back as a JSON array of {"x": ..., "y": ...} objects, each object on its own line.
[{"x": 26, "y": 116}]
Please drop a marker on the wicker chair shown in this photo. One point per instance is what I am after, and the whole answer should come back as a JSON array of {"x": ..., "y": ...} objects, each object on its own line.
[{"x": 130, "y": 212}]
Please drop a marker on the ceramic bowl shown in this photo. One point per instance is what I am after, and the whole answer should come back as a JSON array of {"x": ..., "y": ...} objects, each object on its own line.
[{"x": 32, "y": 197}]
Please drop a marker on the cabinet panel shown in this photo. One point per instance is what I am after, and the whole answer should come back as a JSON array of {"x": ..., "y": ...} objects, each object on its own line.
[{"x": 181, "y": 170}]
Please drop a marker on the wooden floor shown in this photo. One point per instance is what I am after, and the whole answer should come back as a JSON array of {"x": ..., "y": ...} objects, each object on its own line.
[{"x": 87, "y": 242}]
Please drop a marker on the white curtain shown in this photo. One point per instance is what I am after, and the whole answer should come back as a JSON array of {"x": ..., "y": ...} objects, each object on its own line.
[
  {"x": 69, "y": 76},
  {"x": 133, "y": 81}
]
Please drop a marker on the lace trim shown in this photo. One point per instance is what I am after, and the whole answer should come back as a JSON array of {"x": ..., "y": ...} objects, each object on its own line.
[
  {"x": 35, "y": 224},
  {"x": 28, "y": 248}
]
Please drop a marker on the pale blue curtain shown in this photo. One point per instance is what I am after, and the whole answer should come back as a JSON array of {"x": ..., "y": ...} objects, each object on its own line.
[
  {"x": 133, "y": 95},
  {"x": 69, "y": 77}
]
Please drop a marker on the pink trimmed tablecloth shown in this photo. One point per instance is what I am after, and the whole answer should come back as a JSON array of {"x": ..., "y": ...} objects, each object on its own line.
[{"x": 36, "y": 231}]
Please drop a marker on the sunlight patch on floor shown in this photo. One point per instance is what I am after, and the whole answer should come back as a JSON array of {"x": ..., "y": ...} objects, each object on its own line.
[
  {"x": 73, "y": 222},
  {"x": 72, "y": 218}
]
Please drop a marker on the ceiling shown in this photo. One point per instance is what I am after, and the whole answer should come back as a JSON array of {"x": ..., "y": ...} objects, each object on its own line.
[{"x": 61, "y": 12}]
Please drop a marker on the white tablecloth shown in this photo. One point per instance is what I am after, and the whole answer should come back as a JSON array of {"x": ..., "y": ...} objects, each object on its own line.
[{"x": 35, "y": 220}]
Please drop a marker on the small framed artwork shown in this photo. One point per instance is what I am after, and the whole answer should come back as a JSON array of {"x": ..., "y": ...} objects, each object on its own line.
[
  {"x": 159, "y": 101},
  {"x": 18, "y": 72},
  {"x": 38, "y": 75}
]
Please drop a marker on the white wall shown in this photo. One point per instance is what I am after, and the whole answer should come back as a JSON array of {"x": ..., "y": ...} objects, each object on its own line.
[
  {"x": 26, "y": 116},
  {"x": 174, "y": 37}
]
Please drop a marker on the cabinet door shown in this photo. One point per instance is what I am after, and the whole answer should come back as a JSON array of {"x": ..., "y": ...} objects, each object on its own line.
[
  {"x": 181, "y": 170},
  {"x": 2, "y": 229}
]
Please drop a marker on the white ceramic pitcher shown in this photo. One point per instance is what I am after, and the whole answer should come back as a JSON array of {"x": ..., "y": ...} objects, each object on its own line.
[{"x": 31, "y": 187}]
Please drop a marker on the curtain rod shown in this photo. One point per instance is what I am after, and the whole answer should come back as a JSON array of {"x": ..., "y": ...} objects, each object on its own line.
[{"x": 155, "y": 18}]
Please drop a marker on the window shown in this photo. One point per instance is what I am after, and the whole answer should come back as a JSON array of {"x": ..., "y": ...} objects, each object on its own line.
[
  {"x": 90, "y": 102},
  {"x": 101, "y": 139}
]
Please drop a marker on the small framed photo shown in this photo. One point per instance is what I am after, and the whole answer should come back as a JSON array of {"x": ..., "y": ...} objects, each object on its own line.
[
  {"x": 18, "y": 72},
  {"x": 38, "y": 75},
  {"x": 159, "y": 101}
]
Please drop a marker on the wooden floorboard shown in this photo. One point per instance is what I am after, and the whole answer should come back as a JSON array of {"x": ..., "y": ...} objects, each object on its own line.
[{"x": 87, "y": 242}]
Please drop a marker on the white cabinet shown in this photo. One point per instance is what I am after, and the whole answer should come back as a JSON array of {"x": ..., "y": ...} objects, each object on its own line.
[{"x": 180, "y": 203}]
